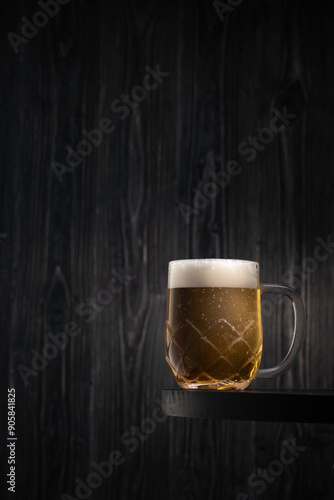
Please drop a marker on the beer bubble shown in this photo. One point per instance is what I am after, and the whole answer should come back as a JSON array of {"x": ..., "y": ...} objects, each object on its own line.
[
  {"x": 202, "y": 315},
  {"x": 189, "y": 302},
  {"x": 179, "y": 305}
]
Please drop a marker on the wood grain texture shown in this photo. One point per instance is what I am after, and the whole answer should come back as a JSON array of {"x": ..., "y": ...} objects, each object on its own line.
[{"x": 119, "y": 212}]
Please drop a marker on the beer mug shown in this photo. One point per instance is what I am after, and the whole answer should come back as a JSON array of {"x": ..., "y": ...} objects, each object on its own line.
[{"x": 213, "y": 333}]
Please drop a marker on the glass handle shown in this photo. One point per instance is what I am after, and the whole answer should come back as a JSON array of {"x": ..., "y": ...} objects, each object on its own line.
[{"x": 298, "y": 331}]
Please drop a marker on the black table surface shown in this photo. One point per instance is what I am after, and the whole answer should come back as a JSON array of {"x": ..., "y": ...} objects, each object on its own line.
[{"x": 254, "y": 405}]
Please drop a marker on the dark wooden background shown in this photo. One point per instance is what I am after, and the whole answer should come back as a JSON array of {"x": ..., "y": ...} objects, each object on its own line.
[{"x": 119, "y": 209}]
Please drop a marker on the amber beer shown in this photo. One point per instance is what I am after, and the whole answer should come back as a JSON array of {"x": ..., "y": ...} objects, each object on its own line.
[{"x": 213, "y": 330}]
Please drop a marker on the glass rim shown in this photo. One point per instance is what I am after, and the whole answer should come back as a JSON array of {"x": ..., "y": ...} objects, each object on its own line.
[{"x": 207, "y": 259}]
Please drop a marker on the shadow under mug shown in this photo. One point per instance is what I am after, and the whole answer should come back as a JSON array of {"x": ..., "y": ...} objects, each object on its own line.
[{"x": 213, "y": 333}]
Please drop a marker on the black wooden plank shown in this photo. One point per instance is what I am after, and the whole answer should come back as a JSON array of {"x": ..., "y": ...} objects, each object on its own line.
[{"x": 256, "y": 405}]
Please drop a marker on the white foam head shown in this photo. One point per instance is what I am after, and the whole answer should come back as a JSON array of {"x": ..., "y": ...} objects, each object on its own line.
[{"x": 197, "y": 273}]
